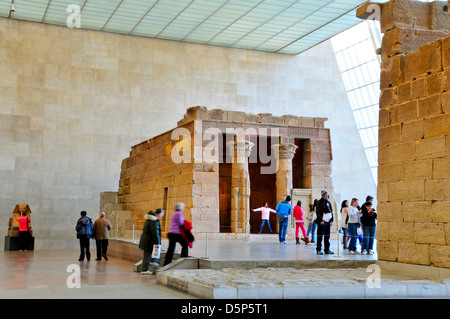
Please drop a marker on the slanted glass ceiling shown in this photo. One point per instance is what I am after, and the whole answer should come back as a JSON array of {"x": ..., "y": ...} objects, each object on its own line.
[
  {"x": 360, "y": 70},
  {"x": 283, "y": 26}
]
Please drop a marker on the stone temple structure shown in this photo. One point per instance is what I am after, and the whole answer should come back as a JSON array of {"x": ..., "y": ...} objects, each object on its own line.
[
  {"x": 221, "y": 164},
  {"x": 414, "y": 137}
]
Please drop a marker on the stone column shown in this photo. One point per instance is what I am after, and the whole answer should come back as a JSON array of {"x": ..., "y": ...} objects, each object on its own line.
[
  {"x": 284, "y": 153},
  {"x": 240, "y": 186}
]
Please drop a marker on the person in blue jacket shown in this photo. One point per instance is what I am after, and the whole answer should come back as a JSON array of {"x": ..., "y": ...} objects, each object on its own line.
[
  {"x": 284, "y": 210},
  {"x": 84, "y": 230}
]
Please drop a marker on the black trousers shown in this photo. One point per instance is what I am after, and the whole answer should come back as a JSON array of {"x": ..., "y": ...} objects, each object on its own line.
[
  {"x": 84, "y": 248},
  {"x": 323, "y": 231},
  {"x": 102, "y": 248},
  {"x": 173, "y": 240},
  {"x": 24, "y": 239}
]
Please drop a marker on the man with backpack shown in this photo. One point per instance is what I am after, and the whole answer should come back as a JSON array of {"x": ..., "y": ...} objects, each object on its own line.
[{"x": 84, "y": 230}]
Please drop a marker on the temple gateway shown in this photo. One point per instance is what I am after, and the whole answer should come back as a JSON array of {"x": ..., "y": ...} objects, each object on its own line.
[{"x": 221, "y": 164}]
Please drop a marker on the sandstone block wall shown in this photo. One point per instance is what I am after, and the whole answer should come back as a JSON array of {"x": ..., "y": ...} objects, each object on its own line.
[{"x": 414, "y": 157}]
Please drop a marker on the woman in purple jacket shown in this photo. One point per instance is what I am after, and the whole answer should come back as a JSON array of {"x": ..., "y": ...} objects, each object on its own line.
[{"x": 174, "y": 234}]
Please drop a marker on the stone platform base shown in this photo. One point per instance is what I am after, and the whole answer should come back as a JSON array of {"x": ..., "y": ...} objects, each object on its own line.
[
  {"x": 290, "y": 283},
  {"x": 12, "y": 243}
]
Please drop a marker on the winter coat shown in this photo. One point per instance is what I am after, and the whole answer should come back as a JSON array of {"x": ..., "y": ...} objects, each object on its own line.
[
  {"x": 298, "y": 213},
  {"x": 84, "y": 228},
  {"x": 102, "y": 226},
  {"x": 368, "y": 219},
  {"x": 151, "y": 234},
  {"x": 323, "y": 207}
]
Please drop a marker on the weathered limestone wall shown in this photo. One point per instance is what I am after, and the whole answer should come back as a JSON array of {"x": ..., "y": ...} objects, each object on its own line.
[
  {"x": 414, "y": 154},
  {"x": 147, "y": 172},
  {"x": 73, "y": 101}
]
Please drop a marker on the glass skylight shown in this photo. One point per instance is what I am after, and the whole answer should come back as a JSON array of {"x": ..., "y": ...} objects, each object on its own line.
[
  {"x": 283, "y": 26},
  {"x": 360, "y": 69}
]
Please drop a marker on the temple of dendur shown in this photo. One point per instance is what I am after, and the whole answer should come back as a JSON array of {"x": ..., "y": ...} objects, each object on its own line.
[{"x": 221, "y": 164}]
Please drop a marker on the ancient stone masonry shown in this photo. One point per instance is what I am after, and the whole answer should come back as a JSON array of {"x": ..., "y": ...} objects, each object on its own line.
[
  {"x": 414, "y": 137},
  {"x": 219, "y": 194}
]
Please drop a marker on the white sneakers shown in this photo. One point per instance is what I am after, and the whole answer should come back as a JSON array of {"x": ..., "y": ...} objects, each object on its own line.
[{"x": 370, "y": 252}]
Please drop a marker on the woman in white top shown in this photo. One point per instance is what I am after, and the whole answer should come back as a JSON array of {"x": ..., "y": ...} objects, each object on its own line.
[
  {"x": 344, "y": 229},
  {"x": 352, "y": 225},
  {"x": 265, "y": 216}
]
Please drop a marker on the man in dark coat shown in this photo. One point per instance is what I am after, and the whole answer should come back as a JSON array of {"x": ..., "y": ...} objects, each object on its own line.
[
  {"x": 84, "y": 230},
  {"x": 324, "y": 220},
  {"x": 150, "y": 239}
]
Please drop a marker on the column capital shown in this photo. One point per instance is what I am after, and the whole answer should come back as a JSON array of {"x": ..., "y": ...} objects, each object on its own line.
[
  {"x": 241, "y": 149},
  {"x": 285, "y": 151}
]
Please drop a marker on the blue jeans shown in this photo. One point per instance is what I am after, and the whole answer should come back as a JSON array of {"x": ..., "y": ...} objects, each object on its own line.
[
  {"x": 312, "y": 229},
  {"x": 369, "y": 237},
  {"x": 262, "y": 225},
  {"x": 284, "y": 221},
  {"x": 352, "y": 227}
]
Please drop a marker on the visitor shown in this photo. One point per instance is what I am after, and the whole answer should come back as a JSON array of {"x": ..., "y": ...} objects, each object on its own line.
[
  {"x": 150, "y": 241},
  {"x": 24, "y": 231},
  {"x": 284, "y": 210},
  {"x": 102, "y": 226},
  {"x": 312, "y": 224},
  {"x": 368, "y": 221},
  {"x": 344, "y": 229},
  {"x": 359, "y": 230},
  {"x": 298, "y": 216},
  {"x": 174, "y": 234},
  {"x": 265, "y": 216},
  {"x": 85, "y": 229},
  {"x": 352, "y": 225},
  {"x": 324, "y": 220}
]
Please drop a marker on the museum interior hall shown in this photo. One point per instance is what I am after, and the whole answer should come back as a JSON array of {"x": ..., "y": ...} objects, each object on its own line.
[{"x": 224, "y": 149}]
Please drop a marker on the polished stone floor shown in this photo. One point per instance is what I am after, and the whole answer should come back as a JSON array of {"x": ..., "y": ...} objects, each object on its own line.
[
  {"x": 268, "y": 249},
  {"x": 43, "y": 274}
]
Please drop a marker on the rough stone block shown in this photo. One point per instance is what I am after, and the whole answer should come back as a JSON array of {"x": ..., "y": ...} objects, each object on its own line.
[
  {"x": 392, "y": 72},
  {"x": 420, "y": 169},
  {"x": 292, "y": 120},
  {"x": 406, "y": 190},
  {"x": 440, "y": 255},
  {"x": 419, "y": 89},
  {"x": 417, "y": 211},
  {"x": 390, "y": 211},
  {"x": 425, "y": 60},
  {"x": 446, "y": 53},
  {"x": 401, "y": 231},
  {"x": 390, "y": 172},
  {"x": 441, "y": 211},
  {"x": 434, "y": 189},
  {"x": 412, "y": 131},
  {"x": 388, "y": 98},
  {"x": 429, "y": 233},
  {"x": 445, "y": 100},
  {"x": 434, "y": 83},
  {"x": 387, "y": 250},
  {"x": 403, "y": 92},
  {"x": 437, "y": 125},
  {"x": 397, "y": 153},
  {"x": 404, "y": 112},
  {"x": 430, "y": 106},
  {"x": 389, "y": 135},
  {"x": 441, "y": 167},
  {"x": 430, "y": 147}
]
